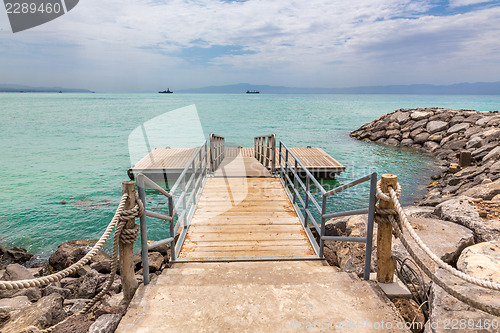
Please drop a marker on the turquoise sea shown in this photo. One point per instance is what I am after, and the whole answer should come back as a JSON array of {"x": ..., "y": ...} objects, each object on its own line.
[{"x": 74, "y": 148}]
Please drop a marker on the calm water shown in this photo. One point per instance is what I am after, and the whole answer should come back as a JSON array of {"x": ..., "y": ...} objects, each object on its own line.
[{"x": 74, "y": 147}]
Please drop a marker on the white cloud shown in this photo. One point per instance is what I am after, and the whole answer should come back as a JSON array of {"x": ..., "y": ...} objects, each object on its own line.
[
  {"x": 133, "y": 44},
  {"x": 461, "y": 3}
]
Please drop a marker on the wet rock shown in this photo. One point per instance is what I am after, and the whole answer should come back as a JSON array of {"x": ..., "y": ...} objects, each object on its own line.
[
  {"x": 421, "y": 138},
  {"x": 18, "y": 255},
  {"x": 105, "y": 324},
  {"x": 430, "y": 145},
  {"x": 377, "y": 135},
  {"x": 42, "y": 314}
]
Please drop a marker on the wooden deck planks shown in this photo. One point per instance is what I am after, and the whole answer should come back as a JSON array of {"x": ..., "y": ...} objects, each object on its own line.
[{"x": 233, "y": 219}]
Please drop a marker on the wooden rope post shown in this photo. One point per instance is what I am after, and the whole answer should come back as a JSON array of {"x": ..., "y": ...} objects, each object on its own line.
[
  {"x": 385, "y": 265},
  {"x": 127, "y": 272}
]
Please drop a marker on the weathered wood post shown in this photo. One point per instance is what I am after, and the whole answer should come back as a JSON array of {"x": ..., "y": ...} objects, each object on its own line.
[
  {"x": 127, "y": 273},
  {"x": 385, "y": 266},
  {"x": 465, "y": 158}
]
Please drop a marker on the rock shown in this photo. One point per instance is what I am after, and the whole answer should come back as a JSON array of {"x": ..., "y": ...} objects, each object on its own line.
[
  {"x": 436, "y": 126},
  {"x": 103, "y": 267},
  {"x": 67, "y": 254},
  {"x": 461, "y": 210},
  {"x": 155, "y": 261},
  {"x": 406, "y": 142},
  {"x": 458, "y": 128},
  {"x": 377, "y": 135},
  {"x": 105, "y": 324},
  {"x": 392, "y": 142},
  {"x": 403, "y": 117},
  {"x": 445, "y": 239},
  {"x": 493, "y": 154},
  {"x": 4, "y": 316},
  {"x": 76, "y": 324},
  {"x": 430, "y": 145},
  {"x": 101, "y": 256},
  {"x": 449, "y": 138},
  {"x": 491, "y": 134},
  {"x": 474, "y": 143},
  {"x": 411, "y": 313},
  {"x": 14, "y": 272},
  {"x": 481, "y": 260},
  {"x": 14, "y": 303},
  {"x": 444, "y": 308},
  {"x": 19, "y": 254},
  {"x": 479, "y": 153},
  {"x": 454, "y": 145},
  {"x": 484, "y": 191},
  {"x": 78, "y": 306},
  {"x": 418, "y": 124},
  {"x": 64, "y": 292},
  {"x": 42, "y": 314},
  {"x": 88, "y": 284},
  {"x": 483, "y": 121},
  {"x": 495, "y": 168},
  {"x": 421, "y": 138},
  {"x": 419, "y": 115},
  {"x": 416, "y": 132},
  {"x": 436, "y": 137}
]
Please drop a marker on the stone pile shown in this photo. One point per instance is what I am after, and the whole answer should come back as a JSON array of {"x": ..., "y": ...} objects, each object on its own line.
[{"x": 43, "y": 307}]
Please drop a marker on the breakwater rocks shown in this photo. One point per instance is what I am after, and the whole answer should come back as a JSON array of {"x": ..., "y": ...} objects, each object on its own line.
[
  {"x": 444, "y": 133},
  {"x": 33, "y": 309}
]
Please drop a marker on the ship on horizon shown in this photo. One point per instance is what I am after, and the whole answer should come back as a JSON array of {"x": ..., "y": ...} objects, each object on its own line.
[
  {"x": 253, "y": 92},
  {"x": 166, "y": 91}
]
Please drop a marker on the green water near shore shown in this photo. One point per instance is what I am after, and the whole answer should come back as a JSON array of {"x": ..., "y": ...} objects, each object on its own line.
[{"x": 74, "y": 147}]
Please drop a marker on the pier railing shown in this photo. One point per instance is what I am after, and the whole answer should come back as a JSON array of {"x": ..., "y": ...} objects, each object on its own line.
[
  {"x": 182, "y": 202},
  {"x": 265, "y": 151},
  {"x": 217, "y": 151},
  {"x": 295, "y": 183}
]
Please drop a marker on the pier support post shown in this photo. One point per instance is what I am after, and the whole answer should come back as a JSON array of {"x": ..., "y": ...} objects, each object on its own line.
[
  {"x": 385, "y": 265},
  {"x": 127, "y": 272}
]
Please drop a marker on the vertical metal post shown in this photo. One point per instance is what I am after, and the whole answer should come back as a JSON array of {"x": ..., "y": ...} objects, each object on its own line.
[
  {"x": 206, "y": 159},
  {"x": 273, "y": 154},
  {"x": 184, "y": 202},
  {"x": 306, "y": 208},
  {"x": 144, "y": 231},
  {"x": 369, "y": 230},
  {"x": 322, "y": 233},
  {"x": 172, "y": 233},
  {"x": 286, "y": 162},
  {"x": 295, "y": 175}
]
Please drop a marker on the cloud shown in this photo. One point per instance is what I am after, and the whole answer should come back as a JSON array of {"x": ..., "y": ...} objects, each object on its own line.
[
  {"x": 461, "y": 3},
  {"x": 129, "y": 45}
]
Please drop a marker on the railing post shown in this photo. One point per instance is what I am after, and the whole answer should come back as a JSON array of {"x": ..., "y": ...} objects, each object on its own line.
[
  {"x": 369, "y": 229},
  {"x": 127, "y": 272},
  {"x": 385, "y": 265},
  {"x": 273, "y": 154},
  {"x": 306, "y": 208},
  {"x": 144, "y": 231},
  {"x": 172, "y": 232},
  {"x": 323, "y": 223},
  {"x": 295, "y": 175}
]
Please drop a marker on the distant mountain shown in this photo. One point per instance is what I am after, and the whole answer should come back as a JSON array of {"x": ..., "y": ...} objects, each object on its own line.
[
  {"x": 479, "y": 88},
  {"x": 21, "y": 88}
]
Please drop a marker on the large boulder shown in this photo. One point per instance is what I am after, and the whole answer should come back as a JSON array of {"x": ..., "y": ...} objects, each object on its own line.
[
  {"x": 14, "y": 303},
  {"x": 74, "y": 324},
  {"x": 18, "y": 255},
  {"x": 89, "y": 283},
  {"x": 42, "y": 314},
  {"x": 436, "y": 126},
  {"x": 484, "y": 191},
  {"x": 68, "y": 253},
  {"x": 15, "y": 272},
  {"x": 457, "y": 128},
  {"x": 462, "y": 210},
  {"x": 106, "y": 323},
  {"x": 447, "y": 309}
]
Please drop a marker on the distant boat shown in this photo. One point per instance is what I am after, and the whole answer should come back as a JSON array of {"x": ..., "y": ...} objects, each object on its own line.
[
  {"x": 253, "y": 92},
  {"x": 166, "y": 91}
]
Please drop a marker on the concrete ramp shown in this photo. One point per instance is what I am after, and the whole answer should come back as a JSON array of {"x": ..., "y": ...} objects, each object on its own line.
[{"x": 274, "y": 296}]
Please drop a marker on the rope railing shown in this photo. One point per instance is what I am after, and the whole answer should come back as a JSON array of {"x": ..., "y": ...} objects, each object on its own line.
[
  {"x": 397, "y": 218},
  {"x": 123, "y": 235}
]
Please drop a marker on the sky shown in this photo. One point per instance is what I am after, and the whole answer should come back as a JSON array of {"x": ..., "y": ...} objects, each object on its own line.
[{"x": 148, "y": 45}]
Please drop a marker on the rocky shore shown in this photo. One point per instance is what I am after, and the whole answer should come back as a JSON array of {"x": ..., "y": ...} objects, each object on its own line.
[
  {"x": 33, "y": 309},
  {"x": 459, "y": 217}
]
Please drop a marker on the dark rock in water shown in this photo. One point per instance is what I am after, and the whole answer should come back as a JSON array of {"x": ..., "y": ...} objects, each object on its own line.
[
  {"x": 63, "y": 202},
  {"x": 18, "y": 255},
  {"x": 67, "y": 254}
]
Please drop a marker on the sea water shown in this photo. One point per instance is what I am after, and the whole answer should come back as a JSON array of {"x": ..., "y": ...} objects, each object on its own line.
[{"x": 64, "y": 156}]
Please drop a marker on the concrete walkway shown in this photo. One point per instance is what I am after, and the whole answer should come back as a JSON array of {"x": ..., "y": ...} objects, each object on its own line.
[{"x": 267, "y": 296}]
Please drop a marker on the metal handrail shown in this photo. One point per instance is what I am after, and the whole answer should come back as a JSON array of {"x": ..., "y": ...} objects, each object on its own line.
[
  {"x": 286, "y": 170},
  {"x": 265, "y": 151},
  {"x": 192, "y": 187},
  {"x": 217, "y": 151}
]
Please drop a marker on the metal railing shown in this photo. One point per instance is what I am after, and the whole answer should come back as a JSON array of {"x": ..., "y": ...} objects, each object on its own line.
[
  {"x": 265, "y": 151},
  {"x": 181, "y": 207},
  {"x": 216, "y": 151},
  {"x": 309, "y": 204}
]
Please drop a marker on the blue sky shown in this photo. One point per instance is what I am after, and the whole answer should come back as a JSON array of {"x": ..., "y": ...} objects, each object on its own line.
[{"x": 140, "y": 45}]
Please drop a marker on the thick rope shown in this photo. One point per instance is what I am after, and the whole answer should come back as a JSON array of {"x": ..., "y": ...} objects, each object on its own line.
[
  {"x": 131, "y": 235},
  {"x": 404, "y": 220},
  {"x": 483, "y": 307},
  {"x": 44, "y": 280}
]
